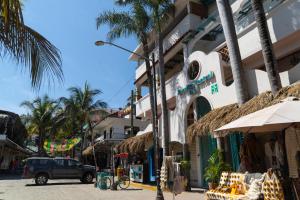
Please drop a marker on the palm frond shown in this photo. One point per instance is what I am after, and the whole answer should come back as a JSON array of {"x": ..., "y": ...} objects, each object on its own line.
[
  {"x": 26, "y": 46},
  {"x": 121, "y": 24}
]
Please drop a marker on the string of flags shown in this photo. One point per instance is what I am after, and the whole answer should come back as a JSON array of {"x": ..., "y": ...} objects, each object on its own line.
[{"x": 51, "y": 146}]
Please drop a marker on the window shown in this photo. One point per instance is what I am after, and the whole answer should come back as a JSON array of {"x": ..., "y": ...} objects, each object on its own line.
[
  {"x": 43, "y": 162},
  {"x": 72, "y": 163},
  {"x": 104, "y": 134},
  {"x": 59, "y": 162},
  {"x": 110, "y": 133},
  {"x": 193, "y": 70}
]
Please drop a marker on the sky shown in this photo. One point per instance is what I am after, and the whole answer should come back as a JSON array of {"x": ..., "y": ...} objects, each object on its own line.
[{"x": 71, "y": 26}]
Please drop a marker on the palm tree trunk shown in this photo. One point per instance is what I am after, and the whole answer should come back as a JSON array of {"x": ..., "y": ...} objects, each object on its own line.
[
  {"x": 267, "y": 47},
  {"x": 41, "y": 150},
  {"x": 82, "y": 142},
  {"x": 234, "y": 51},
  {"x": 164, "y": 107},
  {"x": 150, "y": 82}
]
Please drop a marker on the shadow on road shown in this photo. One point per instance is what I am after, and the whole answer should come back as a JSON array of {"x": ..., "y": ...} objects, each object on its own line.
[
  {"x": 54, "y": 184},
  {"x": 10, "y": 177},
  {"x": 132, "y": 189}
]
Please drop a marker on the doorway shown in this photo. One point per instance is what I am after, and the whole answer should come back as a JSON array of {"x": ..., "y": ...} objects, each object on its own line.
[{"x": 207, "y": 144}]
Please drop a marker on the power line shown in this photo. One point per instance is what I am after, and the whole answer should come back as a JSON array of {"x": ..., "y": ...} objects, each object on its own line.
[{"x": 118, "y": 92}]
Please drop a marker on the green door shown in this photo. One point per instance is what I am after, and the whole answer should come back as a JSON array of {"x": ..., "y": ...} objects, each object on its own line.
[{"x": 207, "y": 144}]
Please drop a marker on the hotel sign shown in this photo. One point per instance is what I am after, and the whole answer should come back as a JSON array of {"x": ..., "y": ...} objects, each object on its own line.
[{"x": 192, "y": 87}]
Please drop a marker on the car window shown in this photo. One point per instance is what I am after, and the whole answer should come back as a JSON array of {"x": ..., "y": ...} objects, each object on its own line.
[
  {"x": 43, "y": 162},
  {"x": 37, "y": 162},
  {"x": 72, "y": 163},
  {"x": 59, "y": 162}
]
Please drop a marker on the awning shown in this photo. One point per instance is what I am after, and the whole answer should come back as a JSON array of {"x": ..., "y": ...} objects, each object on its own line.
[
  {"x": 148, "y": 129},
  {"x": 227, "y": 114},
  {"x": 273, "y": 118},
  {"x": 102, "y": 145},
  {"x": 136, "y": 144},
  {"x": 5, "y": 140},
  {"x": 88, "y": 151}
]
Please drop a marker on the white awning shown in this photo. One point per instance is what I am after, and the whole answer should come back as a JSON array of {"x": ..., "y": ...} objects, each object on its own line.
[
  {"x": 273, "y": 118},
  {"x": 148, "y": 129}
]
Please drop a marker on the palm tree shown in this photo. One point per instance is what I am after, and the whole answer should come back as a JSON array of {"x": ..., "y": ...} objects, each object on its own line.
[
  {"x": 42, "y": 118},
  {"x": 160, "y": 12},
  {"x": 80, "y": 104},
  {"x": 70, "y": 112},
  {"x": 26, "y": 46},
  {"x": 267, "y": 47},
  {"x": 134, "y": 22},
  {"x": 234, "y": 51}
]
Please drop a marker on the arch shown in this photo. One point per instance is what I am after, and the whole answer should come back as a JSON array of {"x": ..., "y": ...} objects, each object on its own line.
[{"x": 201, "y": 100}]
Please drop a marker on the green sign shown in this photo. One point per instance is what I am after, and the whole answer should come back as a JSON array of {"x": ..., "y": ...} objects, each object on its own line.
[
  {"x": 192, "y": 88},
  {"x": 214, "y": 88}
]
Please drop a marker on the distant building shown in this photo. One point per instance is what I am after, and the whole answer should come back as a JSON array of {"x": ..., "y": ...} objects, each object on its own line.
[
  {"x": 12, "y": 136},
  {"x": 108, "y": 133}
]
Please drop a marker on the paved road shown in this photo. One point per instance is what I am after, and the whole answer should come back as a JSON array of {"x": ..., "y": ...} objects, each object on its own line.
[{"x": 74, "y": 190}]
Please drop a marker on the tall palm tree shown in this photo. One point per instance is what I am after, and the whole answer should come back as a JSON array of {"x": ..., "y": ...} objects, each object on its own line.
[
  {"x": 42, "y": 118},
  {"x": 160, "y": 12},
  {"x": 84, "y": 99},
  {"x": 70, "y": 112},
  {"x": 267, "y": 47},
  {"x": 238, "y": 73},
  {"x": 136, "y": 22},
  {"x": 26, "y": 46}
]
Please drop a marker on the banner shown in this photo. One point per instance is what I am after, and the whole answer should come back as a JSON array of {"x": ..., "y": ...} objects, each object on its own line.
[{"x": 60, "y": 146}]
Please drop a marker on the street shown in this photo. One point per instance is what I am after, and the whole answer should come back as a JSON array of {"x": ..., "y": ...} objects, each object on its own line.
[{"x": 19, "y": 189}]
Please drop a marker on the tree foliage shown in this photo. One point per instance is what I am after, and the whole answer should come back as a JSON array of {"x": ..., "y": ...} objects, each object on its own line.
[{"x": 26, "y": 46}]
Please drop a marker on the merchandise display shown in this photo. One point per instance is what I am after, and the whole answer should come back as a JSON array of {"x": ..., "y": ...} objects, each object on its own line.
[
  {"x": 234, "y": 186},
  {"x": 271, "y": 187}
]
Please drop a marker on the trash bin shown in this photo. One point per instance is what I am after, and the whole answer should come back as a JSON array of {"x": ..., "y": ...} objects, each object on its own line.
[{"x": 101, "y": 183}]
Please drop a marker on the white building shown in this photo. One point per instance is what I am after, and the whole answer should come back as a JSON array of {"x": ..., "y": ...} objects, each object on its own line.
[
  {"x": 198, "y": 73},
  {"x": 108, "y": 133}
]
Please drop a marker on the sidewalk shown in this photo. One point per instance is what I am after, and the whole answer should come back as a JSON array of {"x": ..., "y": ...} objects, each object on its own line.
[{"x": 195, "y": 194}]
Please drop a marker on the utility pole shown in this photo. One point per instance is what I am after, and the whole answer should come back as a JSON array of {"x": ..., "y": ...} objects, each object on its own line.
[{"x": 132, "y": 114}]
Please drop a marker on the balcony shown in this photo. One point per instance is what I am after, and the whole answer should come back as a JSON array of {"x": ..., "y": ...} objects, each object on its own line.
[
  {"x": 143, "y": 105},
  {"x": 284, "y": 27},
  {"x": 173, "y": 35}
]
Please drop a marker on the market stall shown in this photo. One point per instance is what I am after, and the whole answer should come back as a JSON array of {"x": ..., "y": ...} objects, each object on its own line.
[
  {"x": 140, "y": 155},
  {"x": 271, "y": 147}
]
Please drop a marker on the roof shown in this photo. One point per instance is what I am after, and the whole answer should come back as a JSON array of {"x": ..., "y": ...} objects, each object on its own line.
[
  {"x": 226, "y": 114},
  {"x": 134, "y": 144},
  {"x": 14, "y": 145}
]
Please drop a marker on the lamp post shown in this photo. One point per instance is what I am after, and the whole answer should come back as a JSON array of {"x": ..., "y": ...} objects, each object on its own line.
[{"x": 159, "y": 194}]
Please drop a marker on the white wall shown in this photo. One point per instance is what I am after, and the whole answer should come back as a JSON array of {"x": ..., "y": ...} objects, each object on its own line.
[{"x": 118, "y": 125}]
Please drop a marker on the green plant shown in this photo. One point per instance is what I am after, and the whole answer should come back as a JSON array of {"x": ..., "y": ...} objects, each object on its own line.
[
  {"x": 185, "y": 164},
  {"x": 216, "y": 166}
]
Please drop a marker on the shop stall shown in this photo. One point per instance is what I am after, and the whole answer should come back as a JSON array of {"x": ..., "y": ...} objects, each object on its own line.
[
  {"x": 140, "y": 156},
  {"x": 270, "y": 149}
]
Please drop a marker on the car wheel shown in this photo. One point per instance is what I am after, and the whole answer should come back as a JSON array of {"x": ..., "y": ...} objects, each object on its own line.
[
  {"x": 41, "y": 179},
  {"x": 88, "y": 178}
]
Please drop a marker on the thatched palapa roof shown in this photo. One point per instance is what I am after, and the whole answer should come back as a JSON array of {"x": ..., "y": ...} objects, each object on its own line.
[
  {"x": 134, "y": 144},
  {"x": 224, "y": 115}
]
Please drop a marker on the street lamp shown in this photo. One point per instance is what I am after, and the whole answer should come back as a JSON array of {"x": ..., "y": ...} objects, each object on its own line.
[{"x": 159, "y": 194}]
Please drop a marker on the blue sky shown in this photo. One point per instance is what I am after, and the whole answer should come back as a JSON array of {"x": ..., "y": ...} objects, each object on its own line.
[{"x": 70, "y": 25}]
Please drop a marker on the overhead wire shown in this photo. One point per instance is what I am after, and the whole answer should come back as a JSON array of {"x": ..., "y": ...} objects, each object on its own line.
[{"x": 121, "y": 88}]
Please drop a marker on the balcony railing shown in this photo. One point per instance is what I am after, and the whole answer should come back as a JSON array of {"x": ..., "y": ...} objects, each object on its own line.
[{"x": 245, "y": 16}]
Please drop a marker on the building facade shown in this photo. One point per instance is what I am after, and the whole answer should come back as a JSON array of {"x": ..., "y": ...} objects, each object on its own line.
[{"x": 198, "y": 73}]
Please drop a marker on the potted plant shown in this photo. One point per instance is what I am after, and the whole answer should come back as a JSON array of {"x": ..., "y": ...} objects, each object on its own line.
[
  {"x": 216, "y": 166},
  {"x": 186, "y": 166}
]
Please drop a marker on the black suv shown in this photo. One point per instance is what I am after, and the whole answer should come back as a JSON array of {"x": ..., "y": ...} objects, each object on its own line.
[{"x": 42, "y": 169}]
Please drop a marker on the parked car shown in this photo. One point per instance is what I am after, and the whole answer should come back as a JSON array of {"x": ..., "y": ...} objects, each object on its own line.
[{"x": 41, "y": 169}]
